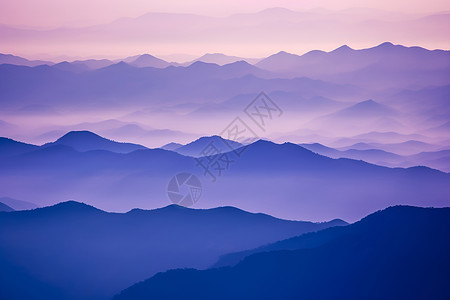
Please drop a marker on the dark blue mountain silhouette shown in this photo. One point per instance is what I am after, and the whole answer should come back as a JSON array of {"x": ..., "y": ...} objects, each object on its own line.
[
  {"x": 305, "y": 241},
  {"x": 398, "y": 253},
  {"x": 81, "y": 252},
  {"x": 11, "y": 147},
  {"x": 284, "y": 180},
  {"x": 87, "y": 141},
  {"x": 197, "y": 147},
  {"x": 4, "y": 207}
]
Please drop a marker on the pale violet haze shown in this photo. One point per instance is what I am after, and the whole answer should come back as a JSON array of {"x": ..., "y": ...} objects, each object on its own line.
[{"x": 246, "y": 149}]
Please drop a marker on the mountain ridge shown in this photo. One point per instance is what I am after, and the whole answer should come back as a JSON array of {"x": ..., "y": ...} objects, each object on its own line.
[
  {"x": 87, "y": 140},
  {"x": 385, "y": 241},
  {"x": 113, "y": 250}
]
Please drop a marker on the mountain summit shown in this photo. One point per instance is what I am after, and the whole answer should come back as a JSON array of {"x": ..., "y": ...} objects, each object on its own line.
[
  {"x": 87, "y": 141},
  {"x": 398, "y": 253}
]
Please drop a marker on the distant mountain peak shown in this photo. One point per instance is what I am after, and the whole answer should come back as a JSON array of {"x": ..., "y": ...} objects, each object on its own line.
[
  {"x": 71, "y": 206},
  {"x": 276, "y": 9},
  {"x": 174, "y": 207},
  {"x": 239, "y": 63},
  {"x": 207, "y": 55},
  {"x": 265, "y": 142},
  {"x": 196, "y": 147},
  {"x": 86, "y": 141},
  {"x": 212, "y": 137},
  {"x": 171, "y": 146},
  {"x": 264, "y": 147},
  {"x": 147, "y": 60},
  {"x": 201, "y": 64},
  {"x": 368, "y": 102},
  {"x": 368, "y": 107},
  {"x": 81, "y": 134},
  {"x": 121, "y": 63},
  {"x": 385, "y": 45},
  {"x": 146, "y": 55},
  {"x": 284, "y": 53},
  {"x": 222, "y": 59},
  {"x": 166, "y": 209},
  {"x": 342, "y": 49},
  {"x": 280, "y": 61},
  {"x": 5, "y": 208},
  {"x": 120, "y": 66}
]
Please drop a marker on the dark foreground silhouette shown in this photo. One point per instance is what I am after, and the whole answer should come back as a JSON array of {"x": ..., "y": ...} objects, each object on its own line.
[
  {"x": 75, "y": 251},
  {"x": 398, "y": 253}
]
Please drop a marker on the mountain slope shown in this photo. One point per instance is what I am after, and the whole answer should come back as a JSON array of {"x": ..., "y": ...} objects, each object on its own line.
[
  {"x": 95, "y": 254},
  {"x": 222, "y": 59},
  {"x": 10, "y": 147},
  {"x": 72, "y": 67},
  {"x": 87, "y": 141},
  {"x": 398, "y": 253},
  {"x": 374, "y": 156},
  {"x": 203, "y": 146},
  {"x": 147, "y": 60},
  {"x": 363, "y": 115},
  {"x": 5, "y": 208},
  {"x": 283, "y": 180},
  {"x": 112, "y": 84},
  {"x": 17, "y": 60},
  {"x": 18, "y": 204},
  {"x": 349, "y": 63},
  {"x": 365, "y": 109},
  {"x": 171, "y": 146}
]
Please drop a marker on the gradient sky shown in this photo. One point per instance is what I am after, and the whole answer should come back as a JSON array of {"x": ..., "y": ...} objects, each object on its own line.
[
  {"x": 325, "y": 25},
  {"x": 54, "y": 13}
]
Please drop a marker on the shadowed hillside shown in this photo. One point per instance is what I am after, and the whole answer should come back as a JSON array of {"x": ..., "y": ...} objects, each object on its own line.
[
  {"x": 79, "y": 252},
  {"x": 398, "y": 253}
]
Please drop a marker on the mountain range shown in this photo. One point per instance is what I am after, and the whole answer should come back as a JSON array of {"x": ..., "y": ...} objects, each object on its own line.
[
  {"x": 345, "y": 64},
  {"x": 93, "y": 254},
  {"x": 264, "y": 174},
  {"x": 6, "y": 208},
  {"x": 397, "y": 253},
  {"x": 158, "y": 31},
  {"x": 373, "y": 153},
  {"x": 206, "y": 146},
  {"x": 379, "y": 89},
  {"x": 87, "y": 141},
  {"x": 272, "y": 155},
  {"x": 15, "y": 204}
]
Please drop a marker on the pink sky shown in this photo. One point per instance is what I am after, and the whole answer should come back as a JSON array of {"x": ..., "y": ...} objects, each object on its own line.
[
  {"x": 322, "y": 24},
  {"x": 54, "y": 13}
]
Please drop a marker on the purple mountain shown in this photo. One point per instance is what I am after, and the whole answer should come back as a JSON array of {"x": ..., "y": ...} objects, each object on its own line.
[
  {"x": 264, "y": 174},
  {"x": 371, "y": 255},
  {"x": 5, "y": 208},
  {"x": 202, "y": 146},
  {"x": 17, "y": 60},
  {"x": 87, "y": 141},
  {"x": 147, "y": 60},
  {"x": 101, "y": 253}
]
